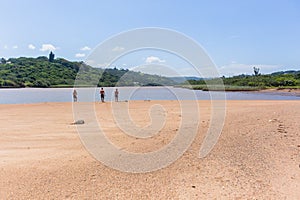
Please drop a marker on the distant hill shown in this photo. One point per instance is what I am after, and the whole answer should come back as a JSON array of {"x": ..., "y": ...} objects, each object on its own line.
[
  {"x": 181, "y": 79},
  {"x": 286, "y": 72},
  {"x": 40, "y": 72},
  {"x": 283, "y": 79}
]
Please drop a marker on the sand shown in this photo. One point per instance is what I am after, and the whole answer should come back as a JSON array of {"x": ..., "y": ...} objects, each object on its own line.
[
  {"x": 286, "y": 92},
  {"x": 257, "y": 155}
]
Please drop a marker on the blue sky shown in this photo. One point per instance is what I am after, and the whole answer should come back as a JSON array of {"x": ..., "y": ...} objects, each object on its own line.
[{"x": 237, "y": 35}]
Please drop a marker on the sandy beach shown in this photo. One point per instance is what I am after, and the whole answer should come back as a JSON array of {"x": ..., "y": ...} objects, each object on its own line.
[{"x": 257, "y": 155}]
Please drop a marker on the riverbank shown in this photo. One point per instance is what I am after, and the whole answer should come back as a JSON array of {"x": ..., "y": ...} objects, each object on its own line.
[
  {"x": 233, "y": 88},
  {"x": 228, "y": 88},
  {"x": 256, "y": 157},
  {"x": 286, "y": 91}
]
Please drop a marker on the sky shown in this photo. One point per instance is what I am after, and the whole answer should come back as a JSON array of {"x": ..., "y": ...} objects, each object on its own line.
[{"x": 237, "y": 35}]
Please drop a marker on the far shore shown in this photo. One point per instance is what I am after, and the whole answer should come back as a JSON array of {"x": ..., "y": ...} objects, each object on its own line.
[
  {"x": 229, "y": 88},
  {"x": 285, "y": 90}
]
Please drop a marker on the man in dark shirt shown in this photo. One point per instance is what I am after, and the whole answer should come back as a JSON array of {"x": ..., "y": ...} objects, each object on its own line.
[{"x": 102, "y": 94}]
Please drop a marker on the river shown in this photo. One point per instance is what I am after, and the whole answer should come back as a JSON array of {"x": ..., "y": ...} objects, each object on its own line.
[{"x": 39, "y": 95}]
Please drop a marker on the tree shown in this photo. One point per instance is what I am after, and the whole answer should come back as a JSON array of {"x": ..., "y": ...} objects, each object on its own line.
[
  {"x": 256, "y": 71},
  {"x": 3, "y": 61},
  {"x": 51, "y": 57}
]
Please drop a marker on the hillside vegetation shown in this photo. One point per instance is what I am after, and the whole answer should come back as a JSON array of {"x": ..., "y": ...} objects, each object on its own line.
[
  {"x": 44, "y": 72},
  {"x": 41, "y": 72},
  {"x": 285, "y": 79}
]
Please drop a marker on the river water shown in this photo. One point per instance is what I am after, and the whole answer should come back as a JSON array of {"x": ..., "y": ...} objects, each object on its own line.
[{"x": 39, "y": 95}]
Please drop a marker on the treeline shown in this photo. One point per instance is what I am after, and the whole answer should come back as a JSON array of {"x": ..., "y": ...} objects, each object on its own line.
[
  {"x": 37, "y": 72},
  {"x": 278, "y": 79},
  {"x": 40, "y": 72},
  {"x": 59, "y": 72}
]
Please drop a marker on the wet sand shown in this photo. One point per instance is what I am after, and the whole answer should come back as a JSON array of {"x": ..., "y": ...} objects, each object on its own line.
[
  {"x": 257, "y": 155},
  {"x": 285, "y": 92}
]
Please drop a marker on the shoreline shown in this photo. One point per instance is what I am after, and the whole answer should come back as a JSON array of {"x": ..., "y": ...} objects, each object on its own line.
[
  {"x": 282, "y": 90},
  {"x": 154, "y": 100}
]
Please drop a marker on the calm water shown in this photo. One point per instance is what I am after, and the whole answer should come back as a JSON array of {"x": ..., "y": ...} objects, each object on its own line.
[{"x": 37, "y": 95}]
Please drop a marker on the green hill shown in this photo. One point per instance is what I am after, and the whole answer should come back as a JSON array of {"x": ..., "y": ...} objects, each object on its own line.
[
  {"x": 283, "y": 79},
  {"x": 40, "y": 72}
]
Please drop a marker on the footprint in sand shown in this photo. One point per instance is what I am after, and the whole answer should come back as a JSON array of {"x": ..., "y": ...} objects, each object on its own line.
[{"x": 281, "y": 128}]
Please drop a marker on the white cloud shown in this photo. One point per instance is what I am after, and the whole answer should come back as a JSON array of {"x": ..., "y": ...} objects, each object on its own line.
[
  {"x": 118, "y": 48},
  {"x": 31, "y": 46},
  {"x": 85, "y": 48},
  {"x": 234, "y": 69},
  {"x": 79, "y": 55},
  {"x": 153, "y": 59},
  {"x": 48, "y": 47},
  {"x": 5, "y": 47},
  {"x": 15, "y": 47}
]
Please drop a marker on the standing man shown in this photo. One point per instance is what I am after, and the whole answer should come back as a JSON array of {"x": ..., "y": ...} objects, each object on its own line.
[
  {"x": 74, "y": 95},
  {"x": 102, "y": 94},
  {"x": 116, "y": 95}
]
